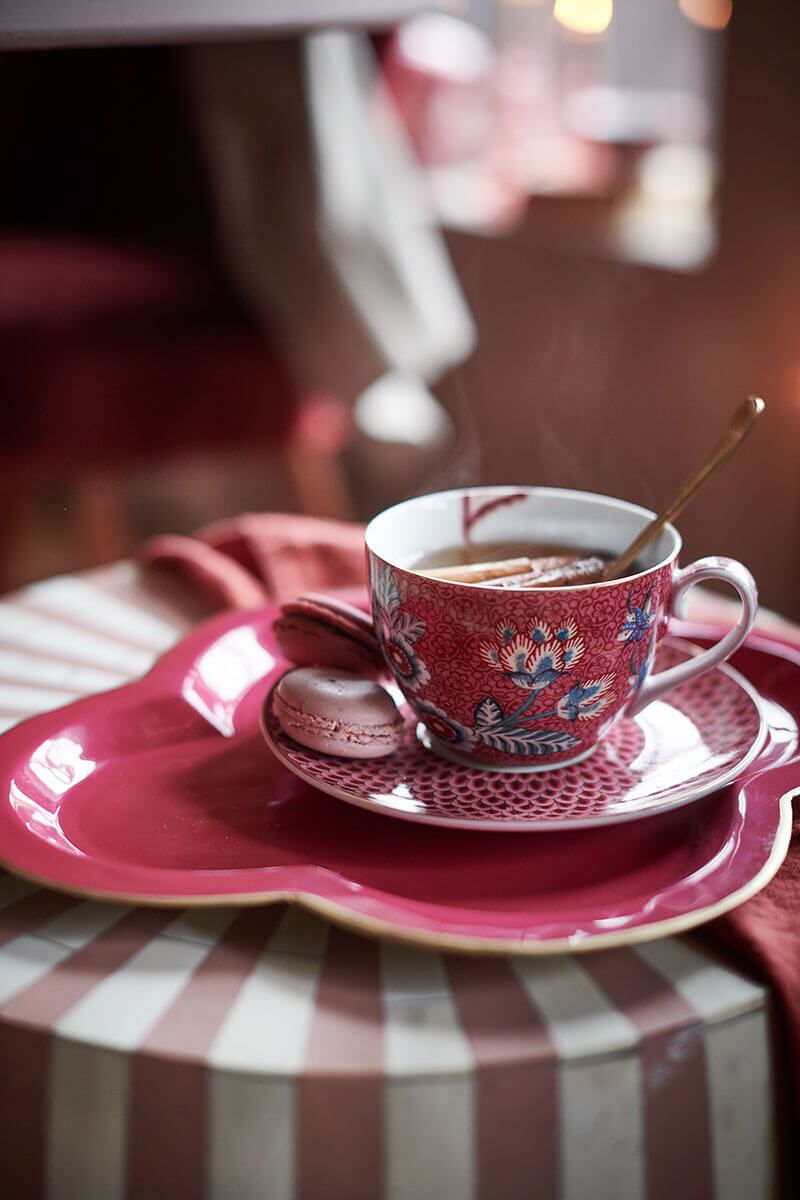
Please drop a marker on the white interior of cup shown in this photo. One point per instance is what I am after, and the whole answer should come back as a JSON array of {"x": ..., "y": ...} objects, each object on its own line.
[{"x": 409, "y": 531}]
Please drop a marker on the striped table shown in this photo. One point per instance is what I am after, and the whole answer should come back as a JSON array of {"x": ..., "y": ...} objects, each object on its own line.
[{"x": 264, "y": 1053}]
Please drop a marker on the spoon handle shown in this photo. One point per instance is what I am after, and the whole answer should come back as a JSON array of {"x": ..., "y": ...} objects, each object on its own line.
[{"x": 741, "y": 423}]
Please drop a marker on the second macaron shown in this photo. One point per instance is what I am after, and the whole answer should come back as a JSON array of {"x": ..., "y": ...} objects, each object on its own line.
[{"x": 319, "y": 631}]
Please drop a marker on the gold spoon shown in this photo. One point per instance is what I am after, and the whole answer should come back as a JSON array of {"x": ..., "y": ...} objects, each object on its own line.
[{"x": 741, "y": 423}]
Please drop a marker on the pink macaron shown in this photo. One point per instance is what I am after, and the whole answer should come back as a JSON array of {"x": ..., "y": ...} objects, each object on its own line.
[
  {"x": 338, "y": 713},
  {"x": 320, "y": 631}
]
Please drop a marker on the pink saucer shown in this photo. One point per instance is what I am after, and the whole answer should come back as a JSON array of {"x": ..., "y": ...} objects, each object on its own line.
[
  {"x": 164, "y": 792},
  {"x": 693, "y": 742}
]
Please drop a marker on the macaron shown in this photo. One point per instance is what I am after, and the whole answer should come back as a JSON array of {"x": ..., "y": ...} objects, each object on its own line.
[
  {"x": 320, "y": 631},
  {"x": 338, "y": 713}
]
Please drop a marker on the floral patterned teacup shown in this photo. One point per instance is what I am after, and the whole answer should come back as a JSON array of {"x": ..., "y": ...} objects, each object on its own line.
[{"x": 523, "y": 678}]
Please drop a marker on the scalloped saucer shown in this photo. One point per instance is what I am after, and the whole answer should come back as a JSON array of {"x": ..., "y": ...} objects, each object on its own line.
[{"x": 696, "y": 740}]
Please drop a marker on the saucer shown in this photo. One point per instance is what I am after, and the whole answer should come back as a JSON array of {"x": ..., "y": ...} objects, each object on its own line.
[{"x": 697, "y": 739}]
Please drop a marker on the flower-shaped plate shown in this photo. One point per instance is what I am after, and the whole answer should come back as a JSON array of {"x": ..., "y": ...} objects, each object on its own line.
[
  {"x": 164, "y": 792},
  {"x": 696, "y": 740}
]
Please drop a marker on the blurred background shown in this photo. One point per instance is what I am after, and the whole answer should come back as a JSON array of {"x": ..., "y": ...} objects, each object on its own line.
[{"x": 328, "y": 256}]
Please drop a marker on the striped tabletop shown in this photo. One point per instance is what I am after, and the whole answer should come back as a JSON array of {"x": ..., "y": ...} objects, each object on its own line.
[{"x": 264, "y": 1053}]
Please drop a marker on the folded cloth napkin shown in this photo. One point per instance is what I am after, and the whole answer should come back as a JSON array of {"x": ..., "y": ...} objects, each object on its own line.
[{"x": 247, "y": 560}]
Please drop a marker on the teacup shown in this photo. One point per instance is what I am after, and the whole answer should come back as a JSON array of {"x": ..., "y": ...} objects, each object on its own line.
[{"x": 528, "y": 679}]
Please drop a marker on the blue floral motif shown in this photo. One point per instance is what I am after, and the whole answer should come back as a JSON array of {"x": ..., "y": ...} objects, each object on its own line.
[
  {"x": 528, "y": 742},
  {"x": 491, "y": 730},
  {"x": 533, "y": 659},
  {"x": 637, "y": 627},
  {"x": 587, "y": 700},
  {"x": 398, "y": 632},
  {"x": 637, "y": 632}
]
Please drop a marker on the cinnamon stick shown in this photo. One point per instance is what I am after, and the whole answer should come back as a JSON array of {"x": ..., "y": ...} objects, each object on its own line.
[
  {"x": 540, "y": 567},
  {"x": 583, "y": 570},
  {"x": 479, "y": 572}
]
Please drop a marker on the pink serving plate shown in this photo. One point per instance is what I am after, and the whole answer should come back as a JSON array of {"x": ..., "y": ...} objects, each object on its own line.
[{"x": 164, "y": 792}]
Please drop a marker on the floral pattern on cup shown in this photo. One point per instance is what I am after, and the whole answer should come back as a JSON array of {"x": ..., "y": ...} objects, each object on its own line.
[
  {"x": 398, "y": 632},
  {"x": 533, "y": 657},
  {"x": 585, "y": 701},
  {"x": 451, "y": 732},
  {"x": 637, "y": 632},
  {"x": 536, "y": 656}
]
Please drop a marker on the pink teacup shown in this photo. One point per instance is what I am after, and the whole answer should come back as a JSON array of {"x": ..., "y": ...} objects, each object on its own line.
[{"x": 528, "y": 679}]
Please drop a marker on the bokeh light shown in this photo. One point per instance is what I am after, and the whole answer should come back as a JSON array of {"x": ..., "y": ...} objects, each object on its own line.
[
  {"x": 710, "y": 14},
  {"x": 584, "y": 16}
]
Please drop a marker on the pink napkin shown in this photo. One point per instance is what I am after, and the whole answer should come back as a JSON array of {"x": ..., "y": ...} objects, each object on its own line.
[{"x": 244, "y": 561}]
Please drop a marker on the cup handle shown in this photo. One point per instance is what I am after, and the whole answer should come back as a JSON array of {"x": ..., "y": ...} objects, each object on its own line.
[{"x": 714, "y": 567}]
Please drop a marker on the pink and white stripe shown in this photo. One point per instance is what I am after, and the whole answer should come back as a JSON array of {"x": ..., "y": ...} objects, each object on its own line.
[{"x": 264, "y": 1053}]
